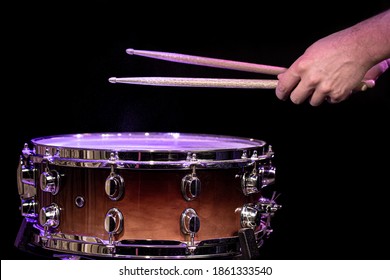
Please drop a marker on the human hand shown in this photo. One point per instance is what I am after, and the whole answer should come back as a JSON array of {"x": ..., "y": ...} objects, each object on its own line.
[{"x": 330, "y": 69}]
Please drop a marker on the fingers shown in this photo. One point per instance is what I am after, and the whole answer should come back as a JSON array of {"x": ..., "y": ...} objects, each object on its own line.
[
  {"x": 287, "y": 82},
  {"x": 298, "y": 91},
  {"x": 306, "y": 92},
  {"x": 301, "y": 93},
  {"x": 317, "y": 98},
  {"x": 290, "y": 85}
]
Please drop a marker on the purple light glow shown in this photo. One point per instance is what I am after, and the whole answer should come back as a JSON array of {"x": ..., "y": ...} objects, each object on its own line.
[{"x": 148, "y": 142}]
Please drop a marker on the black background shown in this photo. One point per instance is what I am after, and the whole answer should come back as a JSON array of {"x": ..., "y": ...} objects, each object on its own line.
[{"x": 332, "y": 160}]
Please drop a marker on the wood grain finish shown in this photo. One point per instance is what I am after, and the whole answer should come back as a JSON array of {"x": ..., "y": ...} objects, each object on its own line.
[{"x": 152, "y": 203}]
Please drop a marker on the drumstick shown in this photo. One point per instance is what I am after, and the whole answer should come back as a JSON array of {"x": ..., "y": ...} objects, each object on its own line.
[
  {"x": 217, "y": 63},
  {"x": 214, "y": 83},
  {"x": 210, "y": 62},
  {"x": 197, "y": 82}
]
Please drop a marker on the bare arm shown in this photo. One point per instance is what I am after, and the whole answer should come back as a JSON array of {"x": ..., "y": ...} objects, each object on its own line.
[{"x": 334, "y": 66}]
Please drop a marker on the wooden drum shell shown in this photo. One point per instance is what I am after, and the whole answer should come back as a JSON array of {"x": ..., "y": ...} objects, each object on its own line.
[{"x": 152, "y": 203}]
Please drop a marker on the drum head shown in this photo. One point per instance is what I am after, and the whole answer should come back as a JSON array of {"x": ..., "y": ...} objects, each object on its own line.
[{"x": 145, "y": 148}]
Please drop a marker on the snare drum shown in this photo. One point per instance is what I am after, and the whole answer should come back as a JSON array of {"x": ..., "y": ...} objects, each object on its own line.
[{"x": 145, "y": 195}]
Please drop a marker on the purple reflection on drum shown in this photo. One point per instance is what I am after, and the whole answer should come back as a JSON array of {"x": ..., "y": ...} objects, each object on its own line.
[{"x": 148, "y": 142}]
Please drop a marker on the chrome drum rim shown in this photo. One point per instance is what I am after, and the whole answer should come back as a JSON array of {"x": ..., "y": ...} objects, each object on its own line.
[{"x": 149, "y": 150}]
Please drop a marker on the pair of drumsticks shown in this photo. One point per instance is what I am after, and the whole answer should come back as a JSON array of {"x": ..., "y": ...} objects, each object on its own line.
[{"x": 208, "y": 82}]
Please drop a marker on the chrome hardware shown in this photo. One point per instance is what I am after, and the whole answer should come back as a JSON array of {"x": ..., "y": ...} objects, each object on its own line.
[
  {"x": 113, "y": 158},
  {"x": 190, "y": 186},
  {"x": 25, "y": 176},
  {"x": 250, "y": 216},
  {"x": 114, "y": 161},
  {"x": 91, "y": 247},
  {"x": 26, "y": 151},
  {"x": 254, "y": 155},
  {"x": 28, "y": 208},
  {"x": 114, "y": 186},
  {"x": 49, "y": 181},
  {"x": 190, "y": 222},
  {"x": 253, "y": 213},
  {"x": 79, "y": 201},
  {"x": 270, "y": 153},
  {"x": 191, "y": 157},
  {"x": 258, "y": 178},
  {"x": 49, "y": 217},
  {"x": 78, "y": 153},
  {"x": 250, "y": 183},
  {"x": 268, "y": 206},
  {"x": 191, "y": 160},
  {"x": 113, "y": 222},
  {"x": 267, "y": 174},
  {"x": 49, "y": 158}
]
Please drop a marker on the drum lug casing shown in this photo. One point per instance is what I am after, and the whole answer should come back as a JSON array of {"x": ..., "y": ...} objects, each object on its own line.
[
  {"x": 259, "y": 178},
  {"x": 253, "y": 213},
  {"x": 190, "y": 187},
  {"x": 262, "y": 174},
  {"x": 49, "y": 181},
  {"x": 113, "y": 222},
  {"x": 189, "y": 222},
  {"x": 28, "y": 208},
  {"x": 49, "y": 217},
  {"x": 26, "y": 175}
]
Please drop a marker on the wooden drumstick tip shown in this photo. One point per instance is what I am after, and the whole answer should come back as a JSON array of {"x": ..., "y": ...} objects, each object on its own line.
[
  {"x": 112, "y": 80},
  {"x": 366, "y": 84},
  {"x": 130, "y": 51}
]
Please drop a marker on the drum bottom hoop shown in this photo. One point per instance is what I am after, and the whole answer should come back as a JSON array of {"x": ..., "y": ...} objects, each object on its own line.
[{"x": 84, "y": 247}]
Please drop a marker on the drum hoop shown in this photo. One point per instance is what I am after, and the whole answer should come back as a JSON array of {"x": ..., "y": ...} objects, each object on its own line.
[
  {"x": 251, "y": 150},
  {"x": 95, "y": 247},
  {"x": 130, "y": 164}
]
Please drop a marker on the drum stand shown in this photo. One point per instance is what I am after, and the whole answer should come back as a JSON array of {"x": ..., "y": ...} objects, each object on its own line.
[{"x": 249, "y": 247}]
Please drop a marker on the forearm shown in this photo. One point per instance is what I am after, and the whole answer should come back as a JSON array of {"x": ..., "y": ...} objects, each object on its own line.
[
  {"x": 372, "y": 38},
  {"x": 335, "y": 66}
]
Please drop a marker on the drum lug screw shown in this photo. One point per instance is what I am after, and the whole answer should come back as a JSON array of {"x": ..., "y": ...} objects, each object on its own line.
[
  {"x": 111, "y": 245},
  {"x": 254, "y": 155}
]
